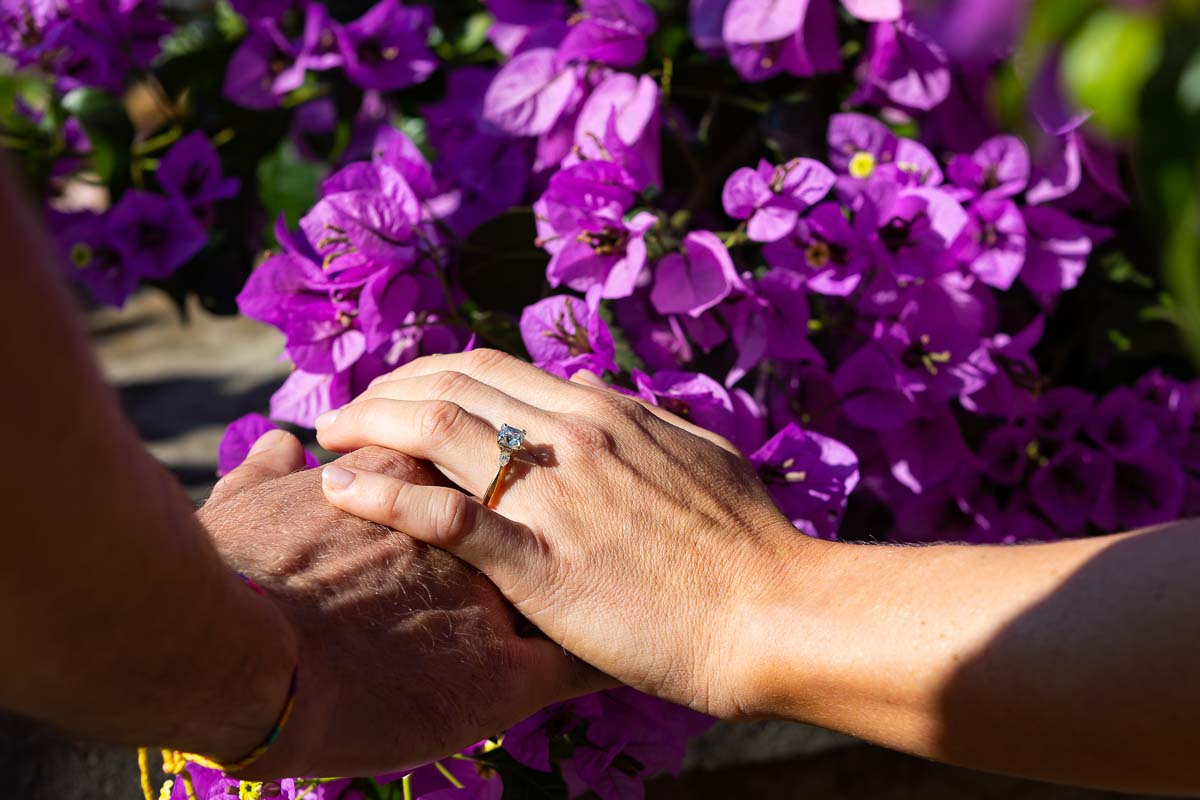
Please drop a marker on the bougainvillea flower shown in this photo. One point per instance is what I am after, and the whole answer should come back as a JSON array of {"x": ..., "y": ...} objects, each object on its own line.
[
  {"x": 695, "y": 280},
  {"x": 875, "y": 10},
  {"x": 263, "y": 69},
  {"x": 809, "y": 476},
  {"x": 825, "y": 250},
  {"x": 1057, "y": 251},
  {"x": 581, "y": 223},
  {"x": 155, "y": 235},
  {"x": 240, "y": 437},
  {"x": 564, "y": 334},
  {"x": 620, "y": 121},
  {"x": 529, "y": 93},
  {"x": 706, "y": 19},
  {"x": 1004, "y": 454},
  {"x": 927, "y": 450},
  {"x": 612, "y": 32},
  {"x": 772, "y": 197},
  {"x": 698, "y": 398},
  {"x": 526, "y": 12},
  {"x": 766, "y": 37},
  {"x": 1072, "y": 485},
  {"x": 1146, "y": 490},
  {"x": 320, "y": 47},
  {"x": 191, "y": 171},
  {"x": 904, "y": 68},
  {"x": 257, "y": 9},
  {"x": 1061, "y": 413},
  {"x": 992, "y": 243},
  {"x": 89, "y": 247},
  {"x": 1122, "y": 425},
  {"x": 771, "y": 322},
  {"x": 999, "y": 166},
  {"x": 385, "y": 48},
  {"x": 913, "y": 228}
]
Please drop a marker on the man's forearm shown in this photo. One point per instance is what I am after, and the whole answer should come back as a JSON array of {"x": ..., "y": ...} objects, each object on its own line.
[
  {"x": 1073, "y": 661},
  {"x": 126, "y": 625}
]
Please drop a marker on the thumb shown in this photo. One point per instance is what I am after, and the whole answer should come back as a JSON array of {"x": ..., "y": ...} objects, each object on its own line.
[
  {"x": 275, "y": 454},
  {"x": 444, "y": 517}
]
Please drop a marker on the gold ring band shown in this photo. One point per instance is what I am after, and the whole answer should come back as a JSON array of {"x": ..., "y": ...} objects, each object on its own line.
[{"x": 510, "y": 440}]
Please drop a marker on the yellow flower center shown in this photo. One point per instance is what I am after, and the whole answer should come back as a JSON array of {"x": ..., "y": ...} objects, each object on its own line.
[
  {"x": 81, "y": 255},
  {"x": 862, "y": 164}
]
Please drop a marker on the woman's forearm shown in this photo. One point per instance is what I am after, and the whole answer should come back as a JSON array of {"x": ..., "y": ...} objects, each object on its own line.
[
  {"x": 120, "y": 620},
  {"x": 1073, "y": 661}
]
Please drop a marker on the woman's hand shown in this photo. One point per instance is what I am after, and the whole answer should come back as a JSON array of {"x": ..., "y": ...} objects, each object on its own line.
[{"x": 631, "y": 537}]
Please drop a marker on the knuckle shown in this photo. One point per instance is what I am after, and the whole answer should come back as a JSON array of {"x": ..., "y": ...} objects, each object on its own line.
[
  {"x": 453, "y": 517},
  {"x": 440, "y": 419},
  {"x": 386, "y": 462},
  {"x": 485, "y": 358},
  {"x": 448, "y": 384},
  {"x": 585, "y": 436}
]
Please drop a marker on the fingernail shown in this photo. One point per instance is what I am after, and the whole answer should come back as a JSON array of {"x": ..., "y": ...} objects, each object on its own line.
[
  {"x": 327, "y": 418},
  {"x": 337, "y": 478},
  {"x": 268, "y": 441}
]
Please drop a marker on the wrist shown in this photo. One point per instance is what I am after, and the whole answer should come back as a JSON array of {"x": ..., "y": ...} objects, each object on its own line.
[
  {"x": 777, "y": 620},
  {"x": 240, "y": 697}
]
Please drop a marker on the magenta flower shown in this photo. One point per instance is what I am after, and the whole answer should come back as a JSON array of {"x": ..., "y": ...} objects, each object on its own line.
[
  {"x": 1072, "y": 486},
  {"x": 1147, "y": 489},
  {"x": 620, "y": 122},
  {"x": 1122, "y": 425},
  {"x": 320, "y": 46},
  {"x": 529, "y": 93},
  {"x": 913, "y": 228},
  {"x": 875, "y": 10},
  {"x": 1004, "y": 455},
  {"x": 766, "y": 37},
  {"x": 1061, "y": 413},
  {"x": 771, "y": 322},
  {"x": 385, "y": 48},
  {"x": 825, "y": 250},
  {"x": 612, "y": 32},
  {"x": 564, "y": 334},
  {"x": 810, "y": 476},
  {"x": 581, "y": 223},
  {"x": 927, "y": 451},
  {"x": 263, "y": 70},
  {"x": 771, "y": 198},
  {"x": 526, "y": 12},
  {"x": 999, "y": 167},
  {"x": 992, "y": 243},
  {"x": 698, "y": 398},
  {"x": 240, "y": 436},
  {"x": 191, "y": 172},
  {"x": 695, "y": 280},
  {"x": 155, "y": 235},
  {"x": 903, "y": 68},
  {"x": 1057, "y": 254},
  {"x": 90, "y": 252}
]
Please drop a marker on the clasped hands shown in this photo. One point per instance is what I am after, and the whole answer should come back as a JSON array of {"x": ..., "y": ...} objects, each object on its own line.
[{"x": 629, "y": 546}]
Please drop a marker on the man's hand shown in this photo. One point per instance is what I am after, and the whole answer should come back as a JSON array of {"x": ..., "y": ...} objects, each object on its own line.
[{"x": 406, "y": 653}]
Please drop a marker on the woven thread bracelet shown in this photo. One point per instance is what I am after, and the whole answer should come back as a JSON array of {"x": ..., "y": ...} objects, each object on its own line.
[{"x": 174, "y": 759}]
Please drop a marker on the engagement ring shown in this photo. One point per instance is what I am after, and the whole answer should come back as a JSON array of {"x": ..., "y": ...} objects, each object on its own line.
[{"x": 510, "y": 440}]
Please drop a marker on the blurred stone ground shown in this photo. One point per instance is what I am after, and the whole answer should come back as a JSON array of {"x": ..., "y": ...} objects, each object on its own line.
[{"x": 181, "y": 383}]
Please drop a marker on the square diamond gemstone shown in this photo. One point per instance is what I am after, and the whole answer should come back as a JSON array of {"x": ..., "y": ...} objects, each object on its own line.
[{"x": 510, "y": 438}]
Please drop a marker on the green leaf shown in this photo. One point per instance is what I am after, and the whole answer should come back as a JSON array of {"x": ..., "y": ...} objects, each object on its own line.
[
  {"x": 110, "y": 131},
  {"x": 1106, "y": 64},
  {"x": 474, "y": 33},
  {"x": 288, "y": 184}
]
